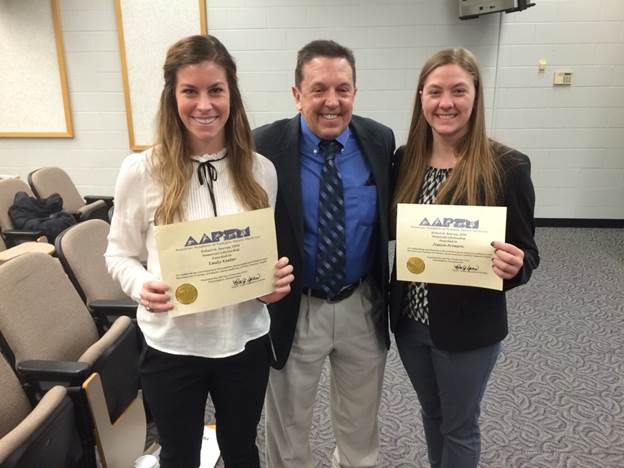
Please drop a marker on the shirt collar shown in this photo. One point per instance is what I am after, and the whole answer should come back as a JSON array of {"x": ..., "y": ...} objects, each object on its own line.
[
  {"x": 314, "y": 140},
  {"x": 219, "y": 155}
]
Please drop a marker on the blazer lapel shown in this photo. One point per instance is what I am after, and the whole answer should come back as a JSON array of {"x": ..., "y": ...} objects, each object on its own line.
[{"x": 288, "y": 167}]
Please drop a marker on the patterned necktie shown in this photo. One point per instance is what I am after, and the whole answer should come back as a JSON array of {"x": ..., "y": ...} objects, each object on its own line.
[{"x": 330, "y": 257}]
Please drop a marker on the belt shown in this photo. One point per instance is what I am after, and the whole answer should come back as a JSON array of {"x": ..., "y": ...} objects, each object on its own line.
[{"x": 341, "y": 295}]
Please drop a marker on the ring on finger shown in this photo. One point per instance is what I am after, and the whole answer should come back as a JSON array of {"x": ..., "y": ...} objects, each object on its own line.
[{"x": 148, "y": 307}]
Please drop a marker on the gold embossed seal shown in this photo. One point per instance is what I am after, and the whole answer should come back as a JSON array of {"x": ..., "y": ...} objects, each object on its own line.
[
  {"x": 186, "y": 293},
  {"x": 415, "y": 265}
]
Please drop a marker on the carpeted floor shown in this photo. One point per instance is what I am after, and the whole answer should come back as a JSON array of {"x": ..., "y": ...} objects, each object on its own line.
[{"x": 556, "y": 397}]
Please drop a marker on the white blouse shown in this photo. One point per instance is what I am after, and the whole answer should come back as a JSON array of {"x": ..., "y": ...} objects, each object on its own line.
[{"x": 216, "y": 333}]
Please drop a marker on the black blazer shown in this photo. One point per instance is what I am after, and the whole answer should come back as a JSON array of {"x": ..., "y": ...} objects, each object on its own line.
[
  {"x": 279, "y": 142},
  {"x": 463, "y": 318}
]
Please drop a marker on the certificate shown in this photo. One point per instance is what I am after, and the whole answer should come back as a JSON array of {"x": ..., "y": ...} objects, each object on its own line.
[
  {"x": 449, "y": 244},
  {"x": 214, "y": 262}
]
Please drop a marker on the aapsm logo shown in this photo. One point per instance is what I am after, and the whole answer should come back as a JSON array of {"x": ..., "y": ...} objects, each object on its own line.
[
  {"x": 217, "y": 236},
  {"x": 451, "y": 222}
]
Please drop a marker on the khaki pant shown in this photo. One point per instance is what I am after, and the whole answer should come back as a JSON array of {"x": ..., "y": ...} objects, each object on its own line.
[{"x": 345, "y": 333}]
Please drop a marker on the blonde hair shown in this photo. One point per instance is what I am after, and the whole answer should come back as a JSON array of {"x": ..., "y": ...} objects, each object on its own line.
[
  {"x": 476, "y": 177},
  {"x": 172, "y": 167}
]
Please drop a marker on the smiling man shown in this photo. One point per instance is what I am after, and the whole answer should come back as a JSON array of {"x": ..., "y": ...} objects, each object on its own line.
[{"x": 332, "y": 223}]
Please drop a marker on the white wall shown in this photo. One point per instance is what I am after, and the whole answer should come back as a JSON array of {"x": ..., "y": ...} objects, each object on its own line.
[{"x": 574, "y": 135}]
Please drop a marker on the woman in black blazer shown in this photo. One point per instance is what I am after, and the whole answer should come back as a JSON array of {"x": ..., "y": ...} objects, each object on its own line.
[{"x": 449, "y": 336}]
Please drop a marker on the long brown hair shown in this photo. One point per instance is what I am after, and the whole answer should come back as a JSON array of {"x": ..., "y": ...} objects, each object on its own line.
[
  {"x": 476, "y": 177},
  {"x": 171, "y": 162}
]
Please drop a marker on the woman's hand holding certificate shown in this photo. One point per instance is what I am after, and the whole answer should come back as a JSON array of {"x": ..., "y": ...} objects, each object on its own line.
[
  {"x": 508, "y": 259},
  {"x": 282, "y": 278}
]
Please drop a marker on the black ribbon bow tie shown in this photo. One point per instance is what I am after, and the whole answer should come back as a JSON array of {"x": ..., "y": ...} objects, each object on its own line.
[{"x": 207, "y": 174}]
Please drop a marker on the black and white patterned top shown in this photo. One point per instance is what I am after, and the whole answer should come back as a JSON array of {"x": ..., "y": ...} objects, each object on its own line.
[{"x": 417, "y": 307}]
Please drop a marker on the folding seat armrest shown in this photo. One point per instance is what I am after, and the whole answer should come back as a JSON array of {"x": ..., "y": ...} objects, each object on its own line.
[
  {"x": 76, "y": 214},
  {"x": 103, "y": 308},
  {"x": 14, "y": 237},
  {"x": 36, "y": 371},
  {"x": 94, "y": 210},
  {"x": 105, "y": 198},
  {"x": 118, "y": 365}
]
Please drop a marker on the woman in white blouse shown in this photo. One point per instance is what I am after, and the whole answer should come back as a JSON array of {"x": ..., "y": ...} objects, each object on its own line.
[{"x": 202, "y": 165}]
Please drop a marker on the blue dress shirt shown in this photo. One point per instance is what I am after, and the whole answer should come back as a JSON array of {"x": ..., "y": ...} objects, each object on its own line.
[{"x": 360, "y": 201}]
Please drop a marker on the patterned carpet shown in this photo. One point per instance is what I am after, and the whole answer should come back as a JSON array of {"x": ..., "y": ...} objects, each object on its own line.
[{"x": 556, "y": 397}]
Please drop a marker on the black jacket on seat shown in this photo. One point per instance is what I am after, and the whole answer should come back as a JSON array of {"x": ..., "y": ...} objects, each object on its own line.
[{"x": 40, "y": 214}]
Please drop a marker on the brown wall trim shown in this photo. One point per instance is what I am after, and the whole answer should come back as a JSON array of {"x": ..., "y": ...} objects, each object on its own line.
[{"x": 579, "y": 223}]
